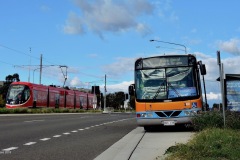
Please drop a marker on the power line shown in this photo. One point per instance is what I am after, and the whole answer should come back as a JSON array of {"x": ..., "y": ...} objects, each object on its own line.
[
  {"x": 7, "y": 63},
  {"x": 18, "y": 51}
]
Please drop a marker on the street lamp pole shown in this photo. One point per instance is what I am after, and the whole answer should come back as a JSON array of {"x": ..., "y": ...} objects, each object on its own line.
[
  {"x": 105, "y": 96},
  {"x": 185, "y": 49}
]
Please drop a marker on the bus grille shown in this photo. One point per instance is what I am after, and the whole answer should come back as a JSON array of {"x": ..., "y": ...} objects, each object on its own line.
[{"x": 163, "y": 114}]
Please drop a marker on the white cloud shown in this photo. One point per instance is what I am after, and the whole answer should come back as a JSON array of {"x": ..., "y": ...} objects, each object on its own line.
[
  {"x": 123, "y": 86},
  {"x": 213, "y": 96},
  {"x": 73, "y": 25},
  {"x": 107, "y": 15},
  {"x": 75, "y": 82},
  {"x": 120, "y": 67},
  {"x": 232, "y": 46},
  {"x": 165, "y": 11}
]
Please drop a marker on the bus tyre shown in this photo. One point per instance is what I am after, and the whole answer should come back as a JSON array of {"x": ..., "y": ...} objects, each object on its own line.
[{"x": 148, "y": 128}]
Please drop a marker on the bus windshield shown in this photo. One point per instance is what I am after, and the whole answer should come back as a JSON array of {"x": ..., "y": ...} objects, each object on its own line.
[
  {"x": 165, "y": 83},
  {"x": 18, "y": 94}
]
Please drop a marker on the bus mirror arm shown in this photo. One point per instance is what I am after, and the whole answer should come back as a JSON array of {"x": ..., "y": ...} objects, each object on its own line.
[
  {"x": 202, "y": 68},
  {"x": 131, "y": 89}
]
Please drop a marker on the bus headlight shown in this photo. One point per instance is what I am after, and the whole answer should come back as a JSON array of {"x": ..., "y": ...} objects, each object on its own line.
[
  {"x": 144, "y": 115},
  {"x": 149, "y": 115},
  {"x": 191, "y": 112}
]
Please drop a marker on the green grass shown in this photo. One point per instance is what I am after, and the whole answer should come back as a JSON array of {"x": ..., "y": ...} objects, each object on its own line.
[
  {"x": 213, "y": 140},
  {"x": 210, "y": 144}
]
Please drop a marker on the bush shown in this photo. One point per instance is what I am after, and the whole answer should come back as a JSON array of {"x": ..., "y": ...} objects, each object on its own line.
[
  {"x": 209, "y": 144},
  {"x": 207, "y": 120},
  {"x": 2, "y": 102},
  {"x": 214, "y": 119},
  {"x": 233, "y": 120}
]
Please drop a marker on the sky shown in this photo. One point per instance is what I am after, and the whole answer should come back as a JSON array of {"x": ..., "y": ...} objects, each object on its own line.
[{"x": 83, "y": 41}]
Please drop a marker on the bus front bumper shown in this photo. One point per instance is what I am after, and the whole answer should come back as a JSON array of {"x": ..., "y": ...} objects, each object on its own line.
[{"x": 163, "y": 121}]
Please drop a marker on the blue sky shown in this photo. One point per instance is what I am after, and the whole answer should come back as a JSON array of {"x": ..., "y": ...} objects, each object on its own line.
[{"x": 97, "y": 37}]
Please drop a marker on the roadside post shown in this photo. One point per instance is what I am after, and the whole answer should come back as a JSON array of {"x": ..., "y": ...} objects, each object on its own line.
[{"x": 221, "y": 77}]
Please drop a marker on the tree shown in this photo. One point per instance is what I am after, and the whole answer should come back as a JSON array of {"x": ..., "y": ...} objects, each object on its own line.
[
  {"x": 12, "y": 78},
  {"x": 9, "y": 79},
  {"x": 2, "y": 101},
  {"x": 115, "y": 100}
]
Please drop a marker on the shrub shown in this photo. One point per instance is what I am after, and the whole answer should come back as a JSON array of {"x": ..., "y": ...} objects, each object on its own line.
[
  {"x": 214, "y": 119},
  {"x": 233, "y": 120},
  {"x": 209, "y": 144},
  {"x": 207, "y": 120}
]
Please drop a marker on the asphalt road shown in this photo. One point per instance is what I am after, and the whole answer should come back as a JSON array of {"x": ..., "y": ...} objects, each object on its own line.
[{"x": 61, "y": 136}]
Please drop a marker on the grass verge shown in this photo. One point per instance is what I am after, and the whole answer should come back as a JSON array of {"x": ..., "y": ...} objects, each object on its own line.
[
  {"x": 213, "y": 140},
  {"x": 210, "y": 144}
]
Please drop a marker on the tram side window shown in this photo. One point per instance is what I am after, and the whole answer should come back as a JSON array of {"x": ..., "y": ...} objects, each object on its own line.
[
  {"x": 81, "y": 102},
  {"x": 35, "y": 95},
  {"x": 57, "y": 99},
  {"x": 26, "y": 94}
]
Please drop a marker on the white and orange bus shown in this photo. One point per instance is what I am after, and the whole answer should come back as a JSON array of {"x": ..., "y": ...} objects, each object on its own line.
[{"x": 167, "y": 90}]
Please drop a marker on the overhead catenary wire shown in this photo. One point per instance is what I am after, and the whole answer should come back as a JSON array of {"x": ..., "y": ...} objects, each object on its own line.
[{"x": 29, "y": 67}]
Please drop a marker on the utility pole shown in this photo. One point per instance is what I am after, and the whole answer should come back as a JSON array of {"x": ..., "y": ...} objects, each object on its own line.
[
  {"x": 105, "y": 96},
  {"x": 221, "y": 77},
  {"x": 40, "y": 77},
  {"x": 29, "y": 64}
]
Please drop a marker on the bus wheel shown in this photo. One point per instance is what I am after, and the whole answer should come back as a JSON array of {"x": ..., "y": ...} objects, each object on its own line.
[{"x": 148, "y": 128}]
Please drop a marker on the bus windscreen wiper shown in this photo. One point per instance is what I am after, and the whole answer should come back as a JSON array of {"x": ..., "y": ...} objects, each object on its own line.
[
  {"x": 174, "y": 89},
  {"x": 159, "y": 89}
]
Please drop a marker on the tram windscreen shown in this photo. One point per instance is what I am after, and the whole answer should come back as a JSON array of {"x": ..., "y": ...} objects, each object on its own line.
[{"x": 18, "y": 94}]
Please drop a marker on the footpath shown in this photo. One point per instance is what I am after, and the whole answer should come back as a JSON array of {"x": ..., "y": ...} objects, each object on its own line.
[{"x": 141, "y": 145}]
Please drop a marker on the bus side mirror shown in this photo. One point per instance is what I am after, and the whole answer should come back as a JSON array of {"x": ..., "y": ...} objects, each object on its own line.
[
  {"x": 131, "y": 90},
  {"x": 203, "y": 69}
]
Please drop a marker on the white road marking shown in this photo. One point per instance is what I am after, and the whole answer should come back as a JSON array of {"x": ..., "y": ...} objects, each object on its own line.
[
  {"x": 29, "y": 143},
  {"x": 9, "y": 149},
  {"x": 39, "y": 120},
  {"x": 66, "y": 133},
  {"x": 45, "y": 139},
  {"x": 56, "y": 136}
]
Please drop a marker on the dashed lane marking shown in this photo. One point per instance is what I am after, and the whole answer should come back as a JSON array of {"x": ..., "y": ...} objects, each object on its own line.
[
  {"x": 56, "y": 136},
  {"x": 29, "y": 143},
  {"x": 67, "y": 133},
  {"x": 37, "y": 120},
  {"x": 9, "y": 149},
  {"x": 45, "y": 139}
]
